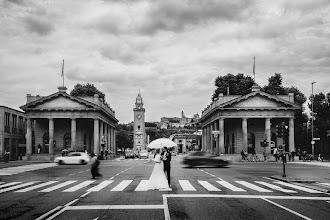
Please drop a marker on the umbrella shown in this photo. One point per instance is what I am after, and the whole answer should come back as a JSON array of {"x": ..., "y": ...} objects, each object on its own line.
[{"x": 161, "y": 142}]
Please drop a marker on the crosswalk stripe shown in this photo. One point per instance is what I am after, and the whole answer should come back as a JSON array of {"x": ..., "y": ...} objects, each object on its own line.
[
  {"x": 17, "y": 186},
  {"x": 252, "y": 186},
  {"x": 230, "y": 186},
  {"x": 79, "y": 186},
  {"x": 9, "y": 184},
  {"x": 298, "y": 187},
  {"x": 278, "y": 188},
  {"x": 36, "y": 186},
  {"x": 143, "y": 186},
  {"x": 325, "y": 184},
  {"x": 122, "y": 185},
  {"x": 100, "y": 186},
  {"x": 208, "y": 186},
  {"x": 58, "y": 186},
  {"x": 186, "y": 185}
]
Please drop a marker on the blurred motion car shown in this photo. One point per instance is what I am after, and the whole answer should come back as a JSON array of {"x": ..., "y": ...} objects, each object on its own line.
[
  {"x": 129, "y": 153},
  {"x": 73, "y": 158},
  {"x": 143, "y": 154},
  {"x": 201, "y": 158}
]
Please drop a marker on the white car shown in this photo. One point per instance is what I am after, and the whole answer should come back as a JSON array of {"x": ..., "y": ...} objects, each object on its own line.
[
  {"x": 143, "y": 153},
  {"x": 73, "y": 158}
]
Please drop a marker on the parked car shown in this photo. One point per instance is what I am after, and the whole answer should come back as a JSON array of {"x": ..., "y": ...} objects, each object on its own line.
[
  {"x": 143, "y": 154},
  {"x": 198, "y": 158},
  {"x": 129, "y": 153},
  {"x": 73, "y": 158}
]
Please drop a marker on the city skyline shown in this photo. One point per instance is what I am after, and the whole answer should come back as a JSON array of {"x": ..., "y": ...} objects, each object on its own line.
[{"x": 169, "y": 51}]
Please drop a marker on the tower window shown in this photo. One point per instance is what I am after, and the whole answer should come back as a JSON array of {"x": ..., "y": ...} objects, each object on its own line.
[{"x": 139, "y": 127}]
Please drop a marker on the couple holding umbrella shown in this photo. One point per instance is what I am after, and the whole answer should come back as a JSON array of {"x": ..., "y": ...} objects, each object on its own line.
[{"x": 162, "y": 160}]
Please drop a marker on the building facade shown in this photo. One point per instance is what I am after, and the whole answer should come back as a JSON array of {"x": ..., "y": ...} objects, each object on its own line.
[
  {"x": 139, "y": 125},
  {"x": 176, "y": 122},
  {"x": 61, "y": 121},
  {"x": 234, "y": 123},
  {"x": 187, "y": 142},
  {"x": 12, "y": 132}
]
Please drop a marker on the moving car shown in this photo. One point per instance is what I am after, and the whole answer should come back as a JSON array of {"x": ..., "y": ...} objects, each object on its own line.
[
  {"x": 129, "y": 153},
  {"x": 198, "y": 158},
  {"x": 143, "y": 154},
  {"x": 73, "y": 158}
]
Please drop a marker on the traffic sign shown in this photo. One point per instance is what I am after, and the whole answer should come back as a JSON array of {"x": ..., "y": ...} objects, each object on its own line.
[
  {"x": 316, "y": 139},
  {"x": 312, "y": 142}
]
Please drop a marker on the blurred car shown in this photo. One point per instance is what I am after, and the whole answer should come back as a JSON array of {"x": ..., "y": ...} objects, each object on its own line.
[
  {"x": 199, "y": 158},
  {"x": 143, "y": 154},
  {"x": 73, "y": 158},
  {"x": 129, "y": 153}
]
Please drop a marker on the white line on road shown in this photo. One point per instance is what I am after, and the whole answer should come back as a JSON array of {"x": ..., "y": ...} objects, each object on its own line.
[
  {"x": 79, "y": 186},
  {"x": 48, "y": 213},
  {"x": 298, "y": 187},
  {"x": 100, "y": 207},
  {"x": 186, "y": 185},
  {"x": 58, "y": 186},
  {"x": 252, "y": 186},
  {"x": 36, "y": 187},
  {"x": 275, "y": 187},
  {"x": 231, "y": 186},
  {"x": 289, "y": 210},
  {"x": 208, "y": 186},
  {"x": 17, "y": 186},
  {"x": 9, "y": 184},
  {"x": 143, "y": 186},
  {"x": 100, "y": 186},
  {"x": 246, "y": 196},
  {"x": 121, "y": 186}
]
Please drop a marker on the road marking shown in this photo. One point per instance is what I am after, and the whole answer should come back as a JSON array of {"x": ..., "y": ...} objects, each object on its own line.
[
  {"x": 48, "y": 213},
  {"x": 36, "y": 186},
  {"x": 18, "y": 186},
  {"x": 100, "y": 207},
  {"x": 100, "y": 186},
  {"x": 289, "y": 210},
  {"x": 246, "y": 196},
  {"x": 82, "y": 196},
  {"x": 58, "y": 186},
  {"x": 79, "y": 186},
  {"x": 275, "y": 187},
  {"x": 325, "y": 184},
  {"x": 252, "y": 186},
  {"x": 298, "y": 187},
  {"x": 122, "y": 185},
  {"x": 9, "y": 184},
  {"x": 186, "y": 185},
  {"x": 25, "y": 168},
  {"x": 231, "y": 186},
  {"x": 143, "y": 186},
  {"x": 208, "y": 186}
]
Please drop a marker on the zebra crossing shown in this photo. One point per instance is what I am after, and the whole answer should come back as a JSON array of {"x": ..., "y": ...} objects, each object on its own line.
[{"x": 141, "y": 186}]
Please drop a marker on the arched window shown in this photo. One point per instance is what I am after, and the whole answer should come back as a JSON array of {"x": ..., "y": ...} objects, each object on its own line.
[
  {"x": 67, "y": 140},
  {"x": 138, "y": 127},
  {"x": 251, "y": 143},
  {"x": 45, "y": 140}
]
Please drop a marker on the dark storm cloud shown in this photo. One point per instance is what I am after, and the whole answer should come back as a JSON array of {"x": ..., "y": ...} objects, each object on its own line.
[
  {"x": 38, "y": 25},
  {"x": 179, "y": 15}
]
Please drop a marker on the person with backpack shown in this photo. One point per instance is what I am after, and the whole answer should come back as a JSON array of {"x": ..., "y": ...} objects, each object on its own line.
[{"x": 95, "y": 166}]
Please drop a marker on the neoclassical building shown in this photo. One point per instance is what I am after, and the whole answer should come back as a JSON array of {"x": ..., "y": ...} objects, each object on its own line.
[
  {"x": 233, "y": 123},
  {"x": 61, "y": 121}
]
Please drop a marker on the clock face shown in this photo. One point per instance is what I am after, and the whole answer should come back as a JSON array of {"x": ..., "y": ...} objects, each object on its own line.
[{"x": 139, "y": 116}]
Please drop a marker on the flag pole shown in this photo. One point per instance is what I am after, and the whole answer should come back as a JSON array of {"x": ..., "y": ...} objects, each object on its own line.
[
  {"x": 254, "y": 68},
  {"x": 63, "y": 72}
]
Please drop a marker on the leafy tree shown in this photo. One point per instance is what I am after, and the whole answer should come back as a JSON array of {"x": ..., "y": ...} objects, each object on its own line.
[
  {"x": 274, "y": 86},
  {"x": 238, "y": 84},
  {"x": 151, "y": 124},
  {"x": 124, "y": 139},
  {"x": 86, "y": 90}
]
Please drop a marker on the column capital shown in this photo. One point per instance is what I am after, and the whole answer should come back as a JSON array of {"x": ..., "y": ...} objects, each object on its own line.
[
  {"x": 245, "y": 118},
  {"x": 73, "y": 118}
]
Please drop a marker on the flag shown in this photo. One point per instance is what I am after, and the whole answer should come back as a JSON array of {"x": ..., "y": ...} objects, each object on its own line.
[{"x": 63, "y": 68}]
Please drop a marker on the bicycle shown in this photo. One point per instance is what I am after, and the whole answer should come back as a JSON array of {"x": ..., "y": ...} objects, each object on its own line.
[{"x": 253, "y": 158}]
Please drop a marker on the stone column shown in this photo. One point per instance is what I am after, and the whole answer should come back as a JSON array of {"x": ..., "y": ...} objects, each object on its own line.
[
  {"x": 244, "y": 131},
  {"x": 114, "y": 140},
  {"x": 216, "y": 124},
  {"x": 108, "y": 137},
  {"x": 207, "y": 149},
  {"x": 268, "y": 133},
  {"x": 204, "y": 138},
  {"x": 73, "y": 134},
  {"x": 29, "y": 139},
  {"x": 96, "y": 149},
  {"x": 212, "y": 137},
  {"x": 101, "y": 135},
  {"x": 291, "y": 135},
  {"x": 222, "y": 135},
  {"x": 51, "y": 138}
]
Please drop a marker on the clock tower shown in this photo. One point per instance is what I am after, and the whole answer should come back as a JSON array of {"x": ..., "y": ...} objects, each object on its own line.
[{"x": 139, "y": 125}]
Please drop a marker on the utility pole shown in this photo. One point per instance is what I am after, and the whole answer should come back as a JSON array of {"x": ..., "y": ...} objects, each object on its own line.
[{"x": 313, "y": 142}]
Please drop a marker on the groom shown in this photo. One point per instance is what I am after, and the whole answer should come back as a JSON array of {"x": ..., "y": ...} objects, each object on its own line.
[{"x": 167, "y": 156}]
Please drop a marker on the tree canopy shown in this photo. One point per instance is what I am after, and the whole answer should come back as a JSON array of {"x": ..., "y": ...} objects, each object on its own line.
[{"x": 86, "y": 90}]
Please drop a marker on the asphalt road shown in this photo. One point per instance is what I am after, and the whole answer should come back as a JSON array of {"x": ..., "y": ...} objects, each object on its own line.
[{"x": 245, "y": 190}]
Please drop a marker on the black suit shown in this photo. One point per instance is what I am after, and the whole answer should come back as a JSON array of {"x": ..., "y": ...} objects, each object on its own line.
[{"x": 167, "y": 156}]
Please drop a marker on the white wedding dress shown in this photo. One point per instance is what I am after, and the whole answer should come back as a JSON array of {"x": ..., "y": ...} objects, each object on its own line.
[{"x": 158, "y": 179}]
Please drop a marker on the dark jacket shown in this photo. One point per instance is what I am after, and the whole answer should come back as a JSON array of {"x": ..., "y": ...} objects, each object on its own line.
[{"x": 167, "y": 157}]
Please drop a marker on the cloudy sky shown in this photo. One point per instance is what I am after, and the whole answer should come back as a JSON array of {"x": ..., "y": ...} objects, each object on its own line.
[{"x": 171, "y": 51}]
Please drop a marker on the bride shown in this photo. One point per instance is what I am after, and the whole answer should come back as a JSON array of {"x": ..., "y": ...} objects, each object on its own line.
[{"x": 158, "y": 179}]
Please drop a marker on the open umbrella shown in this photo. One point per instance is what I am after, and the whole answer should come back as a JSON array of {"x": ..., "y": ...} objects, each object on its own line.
[{"x": 161, "y": 142}]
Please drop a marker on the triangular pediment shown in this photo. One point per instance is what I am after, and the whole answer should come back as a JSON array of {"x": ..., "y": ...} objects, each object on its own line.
[
  {"x": 60, "y": 102},
  {"x": 259, "y": 100}
]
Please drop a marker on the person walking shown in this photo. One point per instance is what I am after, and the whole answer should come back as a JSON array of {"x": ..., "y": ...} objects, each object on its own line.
[
  {"x": 157, "y": 178},
  {"x": 167, "y": 157},
  {"x": 95, "y": 166}
]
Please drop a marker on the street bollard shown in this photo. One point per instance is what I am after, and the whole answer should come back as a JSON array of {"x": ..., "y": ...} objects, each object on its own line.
[{"x": 284, "y": 161}]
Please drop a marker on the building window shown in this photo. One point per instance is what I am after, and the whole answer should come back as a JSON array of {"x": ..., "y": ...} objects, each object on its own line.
[
  {"x": 14, "y": 121},
  {"x": 7, "y": 119},
  {"x": 139, "y": 127},
  {"x": 67, "y": 140}
]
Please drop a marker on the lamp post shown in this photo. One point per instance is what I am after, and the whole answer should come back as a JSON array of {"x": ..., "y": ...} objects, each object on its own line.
[{"x": 313, "y": 142}]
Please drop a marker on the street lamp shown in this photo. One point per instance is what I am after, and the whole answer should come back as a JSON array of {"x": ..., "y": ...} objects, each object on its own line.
[{"x": 313, "y": 142}]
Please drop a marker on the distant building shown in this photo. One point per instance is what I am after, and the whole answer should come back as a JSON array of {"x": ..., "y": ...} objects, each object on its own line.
[
  {"x": 140, "y": 138},
  {"x": 176, "y": 122},
  {"x": 187, "y": 142},
  {"x": 12, "y": 132}
]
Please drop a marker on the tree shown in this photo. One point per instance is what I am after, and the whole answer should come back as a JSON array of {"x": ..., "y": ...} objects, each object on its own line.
[
  {"x": 274, "y": 86},
  {"x": 237, "y": 84},
  {"x": 86, "y": 90},
  {"x": 124, "y": 139}
]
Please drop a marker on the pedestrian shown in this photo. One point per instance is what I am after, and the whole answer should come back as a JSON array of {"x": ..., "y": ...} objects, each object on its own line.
[
  {"x": 166, "y": 157},
  {"x": 6, "y": 156},
  {"x": 265, "y": 155},
  {"x": 293, "y": 154},
  {"x": 157, "y": 178},
  {"x": 275, "y": 152},
  {"x": 95, "y": 166},
  {"x": 39, "y": 148},
  {"x": 320, "y": 158},
  {"x": 106, "y": 154},
  {"x": 242, "y": 154}
]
